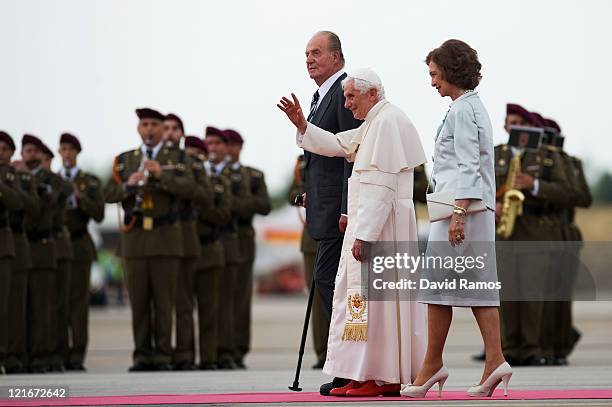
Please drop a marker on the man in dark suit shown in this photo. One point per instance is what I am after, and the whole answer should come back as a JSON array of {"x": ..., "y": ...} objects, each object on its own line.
[{"x": 326, "y": 177}]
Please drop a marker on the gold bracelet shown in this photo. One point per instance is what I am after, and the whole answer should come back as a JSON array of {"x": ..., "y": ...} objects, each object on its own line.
[{"x": 459, "y": 210}]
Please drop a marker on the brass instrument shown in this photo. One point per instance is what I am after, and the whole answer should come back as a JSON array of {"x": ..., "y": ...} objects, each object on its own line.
[{"x": 513, "y": 200}]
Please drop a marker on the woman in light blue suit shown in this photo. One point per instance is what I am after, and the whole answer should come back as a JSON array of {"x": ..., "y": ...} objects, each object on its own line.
[{"x": 463, "y": 165}]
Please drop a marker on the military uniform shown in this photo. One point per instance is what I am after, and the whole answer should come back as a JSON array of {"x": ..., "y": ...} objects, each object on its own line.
[
  {"x": 521, "y": 320},
  {"x": 86, "y": 204},
  {"x": 184, "y": 354},
  {"x": 59, "y": 282},
  {"x": 308, "y": 247},
  {"x": 420, "y": 184},
  {"x": 243, "y": 292},
  {"x": 211, "y": 272},
  {"x": 9, "y": 200},
  {"x": 151, "y": 246},
  {"x": 16, "y": 361},
  {"x": 558, "y": 336},
  {"x": 42, "y": 246},
  {"x": 241, "y": 196}
]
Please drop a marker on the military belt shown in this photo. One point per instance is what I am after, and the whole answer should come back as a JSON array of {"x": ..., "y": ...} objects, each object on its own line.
[
  {"x": 207, "y": 239},
  {"x": 537, "y": 210},
  {"x": 160, "y": 221},
  {"x": 77, "y": 234},
  {"x": 38, "y": 235},
  {"x": 17, "y": 227}
]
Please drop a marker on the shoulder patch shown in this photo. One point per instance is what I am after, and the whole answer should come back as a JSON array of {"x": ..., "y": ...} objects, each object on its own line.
[
  {"x": 548, "y": 162},
  {"x": 256, "y": 173}
]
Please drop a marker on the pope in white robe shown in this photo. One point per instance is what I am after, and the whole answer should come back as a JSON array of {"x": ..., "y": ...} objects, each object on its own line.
[{"x": 380, "y": 342}]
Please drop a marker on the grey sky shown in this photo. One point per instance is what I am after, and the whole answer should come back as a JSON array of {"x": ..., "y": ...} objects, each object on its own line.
[{"x": 84, "y": 65}]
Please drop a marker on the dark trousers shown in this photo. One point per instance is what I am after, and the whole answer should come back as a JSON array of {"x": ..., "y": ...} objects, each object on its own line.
[
  {"x": 521, "y": 321},
  {"x": 207, "y": 283},
  {"x": 38, "y": 314},
  {"x": 78, "y": 310},
  {"x": 6, "y": 265},
  {"x": 16, "y": 328},
  {"x": 58, "y": 326},
  {"x": 151, "y": 285},
  {"x": 326, "y": 268},
  {"x": 320, "y": 320},
  {"x": 185, "y": 343},
  {"x": 243, "y": 294}
]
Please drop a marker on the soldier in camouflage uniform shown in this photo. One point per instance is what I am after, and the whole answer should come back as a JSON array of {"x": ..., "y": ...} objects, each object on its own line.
[
  {"x": 184, "y": 353},
  {"x": 16, "y": 360},
  {"x": 85, "y": 203},
  {"x": 542, "y": 180},
  {"x": 259, "y": 204},
  {"x": 149, "y": 182},
  {"x": 59, "y": 283},
  {"x": 9, "y": 200},
  {"x": 216, "y": 142},
  {"x": 38, "y": 227}
]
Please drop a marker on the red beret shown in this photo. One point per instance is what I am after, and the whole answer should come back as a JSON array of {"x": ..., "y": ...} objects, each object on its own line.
[
  {"x": 213, "y": 131},
  {"x": 175, "y": 118},
  {"x": 147, "y": 113},
  {"x": 70, "y": 139},
  {"x": 46, "y": 150},
  {"x": 233, "y": 136},
  {"x": 538, "y": 119},
  {"x": 195, "y": 142},
  {"x": 30, "y": 139},
  {"x": 553, "y": 124},
  {"x": 519, "y": 110},
  {"x": 4, "y": 136}
]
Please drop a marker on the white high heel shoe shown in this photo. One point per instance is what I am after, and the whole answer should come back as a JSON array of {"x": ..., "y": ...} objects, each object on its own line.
[
  {"x": 502, "y": 374},
  {"x": 420, "y": 391}
]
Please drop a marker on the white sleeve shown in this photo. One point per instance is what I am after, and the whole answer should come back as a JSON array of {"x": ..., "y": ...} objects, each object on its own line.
[
  {"x": 376, "y": 195},
  {"x": 319, "y": 141}
]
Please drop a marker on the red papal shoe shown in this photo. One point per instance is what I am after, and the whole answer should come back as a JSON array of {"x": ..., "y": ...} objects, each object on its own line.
[
  {"x": 371, "y": 389},
  {"x": 341, "y": 391},
  {"x": 502, "y": 374}
]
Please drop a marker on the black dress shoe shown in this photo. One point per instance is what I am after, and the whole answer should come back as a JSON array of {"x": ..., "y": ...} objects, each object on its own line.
[
  {"x": 185, "y": 365},
  {"x": 240, "y": 364},
  {"x": 75, "y": 366},
  {"x": 142, "y": 367},
  {"x": 16, "y": 370},
  {"x": 207, "y": 366},
  {"x": 512, "y": 361},
  {"x": 534, "y": 361},
  {"x": 318, "y": 365},
  {"x": 560, "y": 361},
  {"x": 163, "y": 367},
  {"x": 334, "y": 384},
  {"x": 480, "y": 357},
  {"x": 226, "y": 365},
  {"x": 57, "y": 368},
  {"x": 37, "y": 369}
]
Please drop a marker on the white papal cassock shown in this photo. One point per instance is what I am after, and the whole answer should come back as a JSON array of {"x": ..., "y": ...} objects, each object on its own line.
[{"x": 385, "y": 149}]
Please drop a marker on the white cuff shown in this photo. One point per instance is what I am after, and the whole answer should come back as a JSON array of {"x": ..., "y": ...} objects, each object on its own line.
[{"x": 536, "y": 187}]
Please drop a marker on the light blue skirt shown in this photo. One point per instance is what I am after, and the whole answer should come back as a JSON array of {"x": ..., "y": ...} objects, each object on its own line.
[{"x": 479, "y": 241}]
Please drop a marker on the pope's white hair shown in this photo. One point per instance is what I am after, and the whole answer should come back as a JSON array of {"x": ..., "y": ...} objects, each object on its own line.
[{"x": 363, "y": 86}]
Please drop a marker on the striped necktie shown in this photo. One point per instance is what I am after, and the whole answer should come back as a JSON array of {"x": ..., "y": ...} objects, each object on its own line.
[{"x": 313, "y": 105}]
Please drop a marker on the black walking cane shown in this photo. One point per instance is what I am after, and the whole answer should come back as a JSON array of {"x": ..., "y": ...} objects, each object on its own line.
[{"x": 296, "y": 381}]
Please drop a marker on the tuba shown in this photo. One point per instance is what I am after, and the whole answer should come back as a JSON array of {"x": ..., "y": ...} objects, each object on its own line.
[{"x": 512, "y": 202}]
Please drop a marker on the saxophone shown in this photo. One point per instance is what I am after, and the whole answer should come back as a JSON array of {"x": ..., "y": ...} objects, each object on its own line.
[{"x": 513, "y": 200}]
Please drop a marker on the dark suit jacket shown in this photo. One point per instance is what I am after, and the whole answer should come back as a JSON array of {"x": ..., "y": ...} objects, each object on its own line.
[{"x": 326, "y": 177}]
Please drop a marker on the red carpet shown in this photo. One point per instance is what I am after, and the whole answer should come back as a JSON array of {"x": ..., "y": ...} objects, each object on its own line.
[{"x": 292, "y": 397}]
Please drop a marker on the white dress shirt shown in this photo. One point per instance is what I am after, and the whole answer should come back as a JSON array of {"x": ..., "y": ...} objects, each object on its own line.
[{"x": 326, "y": 86}]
